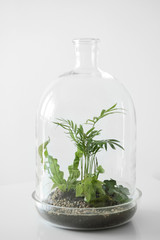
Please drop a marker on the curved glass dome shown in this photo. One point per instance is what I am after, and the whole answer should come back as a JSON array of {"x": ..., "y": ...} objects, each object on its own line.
[{"x": 86, "y": 131}]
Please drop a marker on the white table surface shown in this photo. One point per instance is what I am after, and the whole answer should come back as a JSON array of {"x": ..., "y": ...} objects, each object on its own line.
[{"x": 19, "y": 219}]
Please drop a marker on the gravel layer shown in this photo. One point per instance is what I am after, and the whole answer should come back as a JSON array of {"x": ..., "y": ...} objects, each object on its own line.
[{"x": 66, "y": 199}]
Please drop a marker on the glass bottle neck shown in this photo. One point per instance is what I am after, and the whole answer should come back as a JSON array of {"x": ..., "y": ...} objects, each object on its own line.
[{"x": 86, "y": 51}]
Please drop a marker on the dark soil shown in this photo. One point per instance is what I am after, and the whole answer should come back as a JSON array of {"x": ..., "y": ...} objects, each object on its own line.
[
  {"x": 88, "y": 222},
  {"x": 67, "y": 211}
]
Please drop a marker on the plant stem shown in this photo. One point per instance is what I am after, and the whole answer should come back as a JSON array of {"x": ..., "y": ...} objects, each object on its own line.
[
  {"x": 85, "y": 167},
  {"x": 91, "y": 164},
  {"x": 88, "y": 161},
  {"x": 94, "y": 157},
  {"x": 81, "y": 168}
]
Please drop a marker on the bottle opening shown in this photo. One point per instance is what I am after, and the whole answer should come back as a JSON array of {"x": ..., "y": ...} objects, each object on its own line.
[
  {"x": 85, "y": 40},
  {"x": 86, "y": 50}
]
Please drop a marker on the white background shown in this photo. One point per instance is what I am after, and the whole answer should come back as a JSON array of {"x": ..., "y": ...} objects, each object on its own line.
[{"x": 35, "y": 47}]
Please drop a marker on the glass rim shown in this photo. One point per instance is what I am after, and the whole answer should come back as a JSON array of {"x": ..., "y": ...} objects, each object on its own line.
[
  {"x": 137, "y": 195},
  {"x": 85, "y": 40}
]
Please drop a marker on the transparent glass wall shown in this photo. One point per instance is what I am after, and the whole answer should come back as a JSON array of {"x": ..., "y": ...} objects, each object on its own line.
[{"x": 79, "y": 95}]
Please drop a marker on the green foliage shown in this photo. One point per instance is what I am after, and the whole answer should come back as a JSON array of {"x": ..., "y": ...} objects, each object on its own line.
[
  {"x": 98, "y": 193},
  {"x": 89, "y": 188},
  {"x": 42, "y": 149},
  {"x": 74, "y": 172},
  {"x": 86, "y": 142},
  {"x": 55, "y": 174},
  {"x": 104, "y": 113},
  {"x": 100, "y": 170},
  {"x": 85, "y": 164},
  {"x": 51, "y": 165},
  {"x": 118, "y": 193}
]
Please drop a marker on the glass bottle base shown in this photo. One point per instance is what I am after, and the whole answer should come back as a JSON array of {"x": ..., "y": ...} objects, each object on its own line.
[{"x": 88, "y": 218}]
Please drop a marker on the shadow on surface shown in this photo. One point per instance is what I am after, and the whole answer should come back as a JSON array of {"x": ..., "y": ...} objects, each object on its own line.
[
  {"x": 47, "y": 232},
  {"x": 148, "y": 223}
]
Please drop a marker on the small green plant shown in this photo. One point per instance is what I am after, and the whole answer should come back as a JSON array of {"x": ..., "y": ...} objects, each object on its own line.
[{"x": 85, "y": 165}]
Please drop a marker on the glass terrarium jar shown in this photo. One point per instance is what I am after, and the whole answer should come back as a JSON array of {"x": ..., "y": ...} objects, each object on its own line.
[{"x": 86, "y": 144}]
